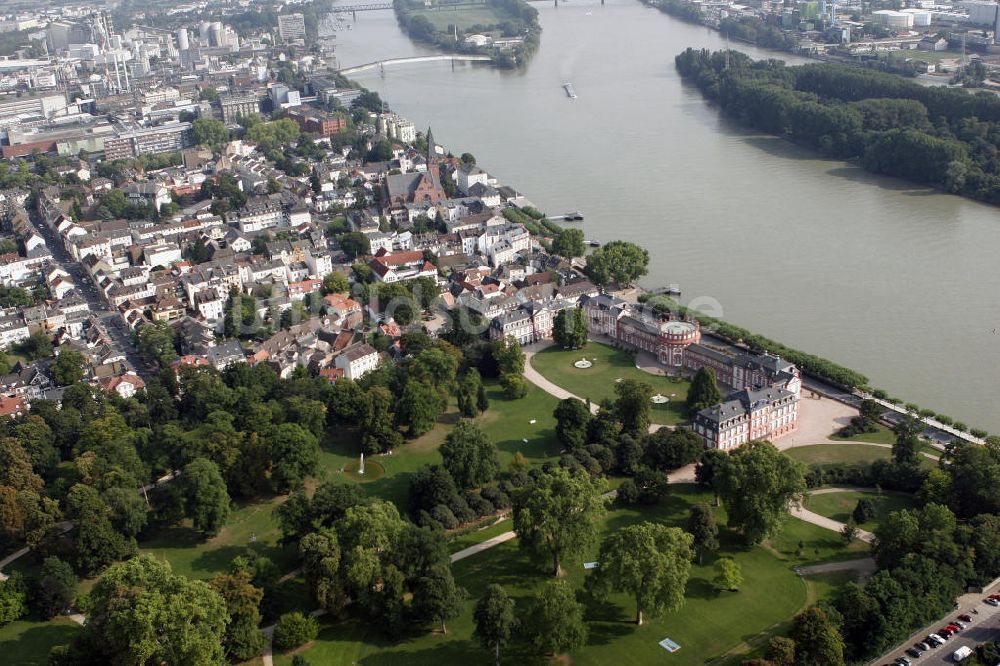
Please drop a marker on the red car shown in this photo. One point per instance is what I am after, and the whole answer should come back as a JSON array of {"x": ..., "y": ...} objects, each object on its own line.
[
  {"x": 965, "y": 617},
  {"x": 995, "y": 596},
  {"x": 945, "y": 632}
]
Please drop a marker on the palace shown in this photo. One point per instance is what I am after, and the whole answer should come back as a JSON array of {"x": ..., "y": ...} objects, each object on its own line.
[{"x": 764, "y": 398}]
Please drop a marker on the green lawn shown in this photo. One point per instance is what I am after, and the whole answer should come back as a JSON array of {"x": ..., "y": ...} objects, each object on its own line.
[
  {"x": 882, "y": 435},
  {"x": 27, "y": 642},
  {"x": 480, "y": 535},
  {"x": 463, "y": 16},
  {"x": 825, "y": 585},
  {"x": 819, "y": 545},
  {"x": 824, "y": 454},
  {"x": 598, "y": 382},
  {"x": 191, "y": 555},
  {"x": 838, "y": 506},
  {"x": 710, "y": 623}
]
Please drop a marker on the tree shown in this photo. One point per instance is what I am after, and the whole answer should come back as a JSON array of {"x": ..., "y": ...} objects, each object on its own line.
[
  {"x": 668, "y": 450},
  {"x": 354, "y": 244},
  {"x": 757, "y": 486},
  {"x": 555, "y": 621},
  {"x": 572, "y": 422},
  {"x": 781, "y": 651},
  {"x": 37, "y": 345},
  {"x": 97, "y": 542},
  {"x": 292, "y": 630},
  {"x": 633, "y": 405},
  {"x": 708, "y": 471},
  {"x": 569, "y": 243},
  {"x": 817, "y": 640},
  {"x": 379, "y": 433},
  {"x": 295, "y": 455},
  {"x": 321, "y": 557},
  {"x": 864, "y": 511},
  {"x": 142, "y": 613},
  {"x": 469, "y": 455},
  {"x": 702, "y": 527},
  {"x": 68, "y": 367},
  {"x": 205, "y": 499},
  {"x": 728, "y": 575},
  {"x": 650, "y": 562},
  {"x": 56, "y": 587},
  {"x": 904, "y": 449},
  {"x": 514, "y": 386},
  {"x": 436, "y": 597},
  {"x": 156, "y": 342},
  {"x": 704, "y": 391},
  {"x": 617, "y": 262},
  {"x": 209, "y": 132},
  {"x": 418, "y": 407},
  {"x": 13, "y": 599},
  {"x": 571, "y": 328},
  {"x": 495, "y": 620},
  {"x": 336, "y": 283},
  {"x": 244, "y": 639},
  {"x": 482, "y": 401},
  {"x": 557, "y": 515},
  {"x": 850, "y": 531}
]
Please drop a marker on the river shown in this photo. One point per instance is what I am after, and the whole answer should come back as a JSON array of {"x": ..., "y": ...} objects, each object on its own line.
[{"x": 897, "y": 281}]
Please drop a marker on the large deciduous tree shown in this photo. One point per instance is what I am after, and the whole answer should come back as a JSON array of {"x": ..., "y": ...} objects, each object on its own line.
[
  {"x": 569, "y": 243},
  {"x": 633, "y": 405},
  {"x": 648, "y": 561},
  {"x": 668, "y": 449},
  {"x": 572, "y": 422},
  {"x": 495, "y": 620},
  {"x": 294, "y": 455},
  {"x": 244, "y": 639},
  {"x": 557, "y": 515},
  {"x": 469, "y": 455},
  {"x": 702, "y": 527},
  {"x": 570, "y": 328},
  {"x": 142, "y": 613},
  {"x": 555, "y": 621},
  {"x": 204, "y": 495},
  {"x": 618, "y": 262},
  {"x": 817, "y": 640},
  {"x": 757, "y": 486}
]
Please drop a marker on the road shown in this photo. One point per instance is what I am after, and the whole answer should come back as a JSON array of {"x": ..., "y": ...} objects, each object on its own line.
[
  {"x": 985, "y": 627},
  {"x": 109, "y": 318}
]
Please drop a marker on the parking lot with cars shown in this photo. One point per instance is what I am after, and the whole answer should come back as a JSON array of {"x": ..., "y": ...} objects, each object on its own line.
[{"x": 977, "y": 620}]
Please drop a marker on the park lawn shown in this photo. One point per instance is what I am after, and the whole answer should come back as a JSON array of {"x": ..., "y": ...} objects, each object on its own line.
[
  {"x": 825, "y": 454},
  {"x": 819, "y": 545},
  {"x": 824, "y": 586},
  {"x": 597, "y": 382},
  {"x": 480, "y": 534},
  {"x": 838, "y": 506},
  {"x": 709, "y": 624},
  {"x": 27, "y": 642},
  {"x": 195, "y": 557},
  {"x": 882, "y": 435},
  {"x": 464, "y": 16}
]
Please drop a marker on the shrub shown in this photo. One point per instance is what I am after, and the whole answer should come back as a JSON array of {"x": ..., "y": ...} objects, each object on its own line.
[{"x": 294, "y": 629}]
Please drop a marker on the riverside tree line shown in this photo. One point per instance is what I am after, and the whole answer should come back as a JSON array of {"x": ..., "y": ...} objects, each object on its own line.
[{"x": 943, "y": 137}]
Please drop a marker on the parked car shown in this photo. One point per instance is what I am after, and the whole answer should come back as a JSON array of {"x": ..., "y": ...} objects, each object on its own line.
[
  {"x": 903, "y": 661},
  {"x": 965, "y": 617},
  {"x": 992, "y": 602},
  {"x": 935, "y": 639},
  {"x": 944, "y": 633},
  {"x": 961, "y": 653},
  {"x": 924, "y": 645},
  {"x": 914, "y": 652}
]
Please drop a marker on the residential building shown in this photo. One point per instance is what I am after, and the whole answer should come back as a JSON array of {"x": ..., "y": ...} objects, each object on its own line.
[{"x": 357, "y": 360}]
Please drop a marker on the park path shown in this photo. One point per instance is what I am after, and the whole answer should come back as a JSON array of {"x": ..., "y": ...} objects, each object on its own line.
[
  {"x": 485, "y": 545},
  {"x": 805, "y": 514},
  {"x": 865, "y": 566}
]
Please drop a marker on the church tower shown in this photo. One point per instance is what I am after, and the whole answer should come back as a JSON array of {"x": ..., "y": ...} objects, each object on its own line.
[{"x": 431, "y": 147}]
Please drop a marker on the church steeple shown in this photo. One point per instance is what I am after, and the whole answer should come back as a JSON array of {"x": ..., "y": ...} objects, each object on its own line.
[{"x": 431, "y": 148}]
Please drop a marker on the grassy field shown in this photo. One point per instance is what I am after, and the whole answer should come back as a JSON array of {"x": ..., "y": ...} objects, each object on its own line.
[
  {"x": 824, "y": 454},
  {"x": 882, "y": 435},
  {"x": 838, "y": 506},
  {"x": 27, "y": 642},
  {"x": 710, "y": 623},
  {"x": 598, "y": 382},
  {"x": 480, "y": 535},
  {"x": 463, "y": 16}
]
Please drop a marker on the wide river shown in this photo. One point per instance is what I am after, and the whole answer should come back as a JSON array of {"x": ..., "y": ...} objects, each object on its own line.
[{"x": 899, "y": 282}]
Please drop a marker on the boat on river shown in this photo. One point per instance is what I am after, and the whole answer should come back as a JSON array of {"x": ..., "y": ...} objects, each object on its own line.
[{"x": 568, "y": 87}]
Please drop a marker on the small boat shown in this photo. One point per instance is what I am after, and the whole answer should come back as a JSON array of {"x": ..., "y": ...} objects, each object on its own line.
[
  {"x": 568, "y": 87},
  {"x": 593, "y": 243},
  {"x": 573, "y": 217}
]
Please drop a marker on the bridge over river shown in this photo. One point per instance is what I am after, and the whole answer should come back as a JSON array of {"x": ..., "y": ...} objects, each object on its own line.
[{"x": 400, "y": 61}]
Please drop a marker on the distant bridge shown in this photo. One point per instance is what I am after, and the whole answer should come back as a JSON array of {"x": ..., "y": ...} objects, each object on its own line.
[
  {"x": 369, "y": 7},
  {"x": 400, "y": 61}
]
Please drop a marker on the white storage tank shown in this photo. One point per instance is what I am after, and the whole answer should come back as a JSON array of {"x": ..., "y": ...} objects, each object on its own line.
[
  {"x": 921, "y": 17},
  {"x": 892, "y": 19}
]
